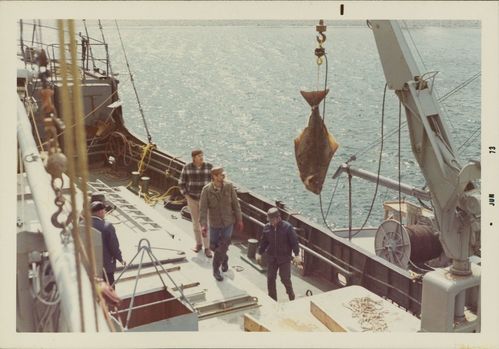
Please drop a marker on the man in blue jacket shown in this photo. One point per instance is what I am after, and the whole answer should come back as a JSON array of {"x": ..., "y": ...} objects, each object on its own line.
[
  {"x": 110, "y": 244},
  {"x": 278, "y": 240}
]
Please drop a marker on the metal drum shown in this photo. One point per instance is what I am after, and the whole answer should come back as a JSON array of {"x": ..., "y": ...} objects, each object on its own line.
[{"x": 401, "y": 244}]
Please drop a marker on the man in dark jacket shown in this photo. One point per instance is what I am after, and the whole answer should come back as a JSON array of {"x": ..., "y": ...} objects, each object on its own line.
[
  {"x": 278, "y": 240},
  {"x": 110, "y": 244}
]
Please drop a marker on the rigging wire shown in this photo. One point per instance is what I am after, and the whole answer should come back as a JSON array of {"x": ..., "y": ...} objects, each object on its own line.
[
  {"x": 88, "y": 46},
  {"x": 325, "y": 86},
  {"x": 460, "y": 86},
  {"x": 445, "y": 113},
  {"x": 108, "y": 60},
  {"x": 470, "y": 139},
  {"x": 404, "y": 123},
  {"x": 379, "y": 165},
  {"x": 324, "y": 216},
  {"x": 399, "y": 157},
  {"x": 149, "y": 138},
  {"x": 21, "y": 27}
]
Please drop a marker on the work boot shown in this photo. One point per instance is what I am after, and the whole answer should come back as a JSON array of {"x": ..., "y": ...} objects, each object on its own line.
[{"x": 217, "y": 275}]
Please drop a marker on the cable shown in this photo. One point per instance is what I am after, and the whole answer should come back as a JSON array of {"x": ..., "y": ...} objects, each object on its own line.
[
  {"x": 149, "y": 138},
  {"x": 325, "y": 86},
  {"x": 460, "y": 86},
  {"x": 469, "y": 139},
  {"x": 379, "y": 164},
  {"x": 399, "y": 172},
  {"x": 89, "y": 47},
  {"x": 108, "y": 59}
]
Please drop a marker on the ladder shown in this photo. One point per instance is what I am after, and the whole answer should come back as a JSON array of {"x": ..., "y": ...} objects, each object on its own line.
[{"x": 125, "y": 211}]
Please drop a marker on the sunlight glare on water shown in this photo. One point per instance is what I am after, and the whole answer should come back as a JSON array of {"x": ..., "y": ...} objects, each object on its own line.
[{"x": 233, "y": 90}]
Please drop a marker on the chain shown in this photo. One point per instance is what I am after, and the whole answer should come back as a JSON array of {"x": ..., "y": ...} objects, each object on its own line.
[
  {"x": 57, "y": 161},
  {"x": 370, "y": 313},
  {"x": 56, "y": 165}
]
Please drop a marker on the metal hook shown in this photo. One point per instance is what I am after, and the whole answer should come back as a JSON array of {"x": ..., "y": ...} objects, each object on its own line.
[{"x": 321, "y": 38}]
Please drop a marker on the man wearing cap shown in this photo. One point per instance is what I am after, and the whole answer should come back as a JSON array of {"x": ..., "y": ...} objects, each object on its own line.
[
  {"x": 278, "y": 239},
  {"x": 110, "y": 244},
  {"x": 194, "y": 177},
  {"x": 219, "y": 206}
]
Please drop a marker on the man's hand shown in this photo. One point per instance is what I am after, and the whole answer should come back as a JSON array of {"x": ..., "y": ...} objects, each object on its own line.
[
  {"x": 240, "y": 226},
  {"x": 204, "y": 231},
  {"x": 258, "y": 258},
  {"x": 297, "y": 260}
]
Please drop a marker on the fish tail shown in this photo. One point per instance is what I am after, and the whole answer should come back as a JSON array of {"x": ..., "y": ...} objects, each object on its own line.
[{"x": 314, "y": 98}]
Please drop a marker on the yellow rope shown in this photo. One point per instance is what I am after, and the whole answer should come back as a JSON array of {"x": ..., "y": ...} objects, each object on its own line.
[
  {"x": 69, "y": 148},
  {"x": 157, "y": 197},
  {"x": 83, "y": 159},
  {"x": 146, "y": 152}
]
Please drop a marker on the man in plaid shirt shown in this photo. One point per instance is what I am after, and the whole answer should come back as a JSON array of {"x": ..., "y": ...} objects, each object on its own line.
[{"x": 194, "y": 177}]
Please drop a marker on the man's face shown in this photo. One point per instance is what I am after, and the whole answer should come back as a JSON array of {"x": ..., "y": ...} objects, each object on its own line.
[
  {"x": 219, "y": 178},
  {"x": 198, "y": 159},
  {"x": 274, "y": 220}
]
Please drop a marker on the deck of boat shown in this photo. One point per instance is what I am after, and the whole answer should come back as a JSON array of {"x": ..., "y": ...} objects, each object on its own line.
[{"x": 221, "y": 305}]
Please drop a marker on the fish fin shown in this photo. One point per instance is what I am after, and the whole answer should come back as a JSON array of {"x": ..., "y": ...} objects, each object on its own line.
[
  {"x": 314, "y": 98},
  {"x": 333, "y": 143}
]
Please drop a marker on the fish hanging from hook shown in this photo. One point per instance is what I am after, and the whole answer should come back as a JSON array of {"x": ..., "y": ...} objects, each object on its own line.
[{"x": 315, "y": 146}]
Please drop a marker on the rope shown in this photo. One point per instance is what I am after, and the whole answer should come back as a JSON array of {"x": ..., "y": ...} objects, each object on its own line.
[
  {"x": 68, "y": 117},
  {"x": 146, "y": 152},
  {"x": 114, "y": 146},
  {"x": 149, "y": 138},
  {"x": 157, "y": 197},
  {"x": 83, "y": 159}
]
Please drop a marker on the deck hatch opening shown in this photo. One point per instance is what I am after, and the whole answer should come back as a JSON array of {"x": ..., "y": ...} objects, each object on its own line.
[{"x": 158, "y": 309}]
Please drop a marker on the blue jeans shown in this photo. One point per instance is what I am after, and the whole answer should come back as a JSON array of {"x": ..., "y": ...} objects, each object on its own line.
[{"x": 219, "y": 244}]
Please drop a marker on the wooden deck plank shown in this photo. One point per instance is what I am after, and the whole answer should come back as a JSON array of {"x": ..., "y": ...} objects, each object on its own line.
[{"x": 356, "y": 309}]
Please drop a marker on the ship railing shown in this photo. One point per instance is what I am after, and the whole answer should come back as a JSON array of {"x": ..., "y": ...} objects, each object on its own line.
[{"x": 61, "y": 255}]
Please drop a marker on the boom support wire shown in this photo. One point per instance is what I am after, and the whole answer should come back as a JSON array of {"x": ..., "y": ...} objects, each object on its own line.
[{"x": 149, "y": 138}]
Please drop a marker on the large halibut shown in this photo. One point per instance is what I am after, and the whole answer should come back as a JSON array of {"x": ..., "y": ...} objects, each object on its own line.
[{"x": 315, "y": 146}]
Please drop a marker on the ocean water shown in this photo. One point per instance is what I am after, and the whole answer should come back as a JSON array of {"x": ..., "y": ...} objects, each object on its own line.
[{"x": 232, "y": 89}]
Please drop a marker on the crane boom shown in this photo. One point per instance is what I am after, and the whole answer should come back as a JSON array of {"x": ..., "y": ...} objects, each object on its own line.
[{"x": 455, "y": 199}]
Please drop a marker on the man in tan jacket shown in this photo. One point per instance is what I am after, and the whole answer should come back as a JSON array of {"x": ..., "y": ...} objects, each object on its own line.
[{"x": 219, "y": 203}]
